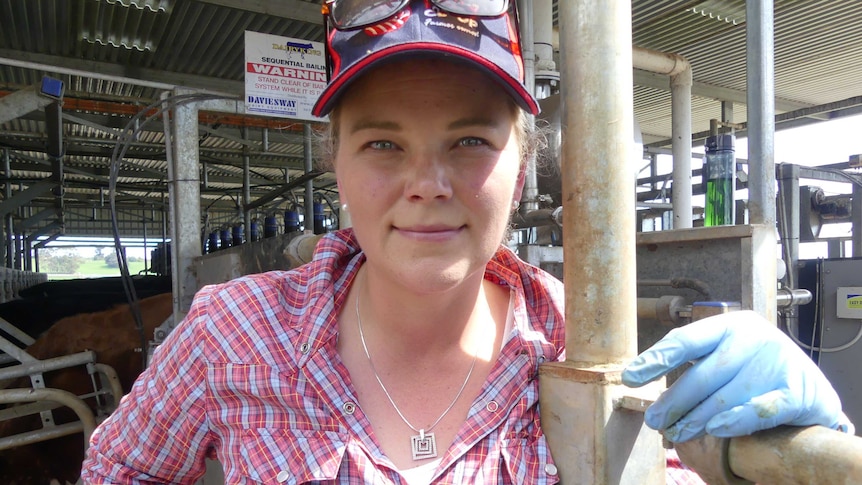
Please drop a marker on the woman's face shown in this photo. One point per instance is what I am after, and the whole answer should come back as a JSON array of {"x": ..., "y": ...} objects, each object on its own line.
[{"x": 428, "y": 162}]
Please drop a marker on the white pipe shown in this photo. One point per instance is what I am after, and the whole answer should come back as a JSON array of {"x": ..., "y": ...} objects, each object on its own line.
[
  {"x": 681, "y": 147},
  {"x": 543, "y": 35},
  {"x": 530, "y": 195},
  {"x": 679, "y": 70},
  {"x": 665, "y": 63}
]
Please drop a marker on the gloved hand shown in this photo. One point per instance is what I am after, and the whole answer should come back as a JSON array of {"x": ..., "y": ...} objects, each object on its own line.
[{"x": 748, "y": 376}]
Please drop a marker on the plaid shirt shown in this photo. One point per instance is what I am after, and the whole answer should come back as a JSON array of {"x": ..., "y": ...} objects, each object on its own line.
[{"x": 252, "y": 377}]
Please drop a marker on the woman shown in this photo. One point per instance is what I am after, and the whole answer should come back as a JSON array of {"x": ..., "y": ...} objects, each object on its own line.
[{"x": 407, "y": 351}]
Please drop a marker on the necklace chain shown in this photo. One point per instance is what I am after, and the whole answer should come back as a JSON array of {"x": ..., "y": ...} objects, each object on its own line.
[{"x": 423, "y": 432}]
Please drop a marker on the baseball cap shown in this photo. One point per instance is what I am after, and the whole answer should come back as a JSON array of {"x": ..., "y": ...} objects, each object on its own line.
[{"x": 422, "y": 29}]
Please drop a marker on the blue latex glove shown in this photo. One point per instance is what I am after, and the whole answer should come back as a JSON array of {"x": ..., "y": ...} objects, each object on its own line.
[{"x": 748, "y": 376}]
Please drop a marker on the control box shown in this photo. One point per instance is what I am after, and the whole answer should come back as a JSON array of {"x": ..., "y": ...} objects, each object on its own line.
[{"x": 849, "y": 304}]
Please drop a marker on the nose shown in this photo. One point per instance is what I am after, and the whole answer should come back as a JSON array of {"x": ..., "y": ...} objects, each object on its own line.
[{"x": 429, "y": 178}]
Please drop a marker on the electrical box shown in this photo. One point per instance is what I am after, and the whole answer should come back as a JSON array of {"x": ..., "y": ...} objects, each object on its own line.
[
  {"x": 835, "y": 333},
  {"x": 849, "y": 304}
]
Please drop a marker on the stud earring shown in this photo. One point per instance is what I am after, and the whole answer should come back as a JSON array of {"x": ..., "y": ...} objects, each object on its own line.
[{"x": 344, "y": 207}]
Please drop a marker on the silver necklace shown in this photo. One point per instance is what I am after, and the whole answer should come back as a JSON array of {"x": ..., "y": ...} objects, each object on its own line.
[{"x": 423, "y": 445}]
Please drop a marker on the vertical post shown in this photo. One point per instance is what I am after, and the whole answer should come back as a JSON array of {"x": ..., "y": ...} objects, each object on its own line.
[
  {"x": 28, "y": 255},
  {"x": 591, "y": 439},
  {"x": 144, "y": 227},
  {"x": 246, "y": 187},
  {"x": 597, "y": 182},
  {"x": 727, "y": 111},
  {"x": 530, "y": 194},
  {"x": 184, "y": 185},
  {"x": 307, "y": 137},
  {"x": 680, "y": 89},
  {"x": 761, "y": 110},
  {"x": 8, "y": 247},
  {"x": 653, "y": 171},
  {"x": 760, "y": 84},
  {"x": 856, "y": 217},
  {"x": 18, "y": 249},
  {"x": 789, "y": 176}
]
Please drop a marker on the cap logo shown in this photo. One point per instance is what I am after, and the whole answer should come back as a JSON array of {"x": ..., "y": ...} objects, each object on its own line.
[
  {"x": 390, "y": 25},
  {"x": 466, "y": 25}
]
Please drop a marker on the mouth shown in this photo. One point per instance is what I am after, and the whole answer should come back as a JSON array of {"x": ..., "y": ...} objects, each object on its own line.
[{"x": 430, "y": 232}]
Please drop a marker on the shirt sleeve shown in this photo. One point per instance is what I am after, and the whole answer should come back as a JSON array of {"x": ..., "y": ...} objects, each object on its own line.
[{"x": 159, "y": 432}]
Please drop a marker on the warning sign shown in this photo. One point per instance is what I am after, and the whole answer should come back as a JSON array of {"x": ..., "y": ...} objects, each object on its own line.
[{"x": 283, "y": 76}]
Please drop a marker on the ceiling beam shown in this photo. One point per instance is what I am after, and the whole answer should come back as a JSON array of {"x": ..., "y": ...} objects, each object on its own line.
[
  {"x": 21, "y": 103},
  {"x": 89, "y": 147},
  {"x": 709, "y": 91},
  {"x": 131, "y": 74}
]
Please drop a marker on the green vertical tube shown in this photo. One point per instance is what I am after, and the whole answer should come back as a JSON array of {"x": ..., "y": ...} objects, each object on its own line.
[{"x": 720, "y": 177}]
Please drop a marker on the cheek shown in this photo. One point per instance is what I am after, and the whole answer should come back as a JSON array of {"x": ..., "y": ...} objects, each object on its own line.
[{"x": 363, "y": 192}]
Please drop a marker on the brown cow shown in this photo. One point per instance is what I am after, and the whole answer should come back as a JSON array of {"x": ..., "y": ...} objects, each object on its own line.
[{"x": 112, "y": 335}]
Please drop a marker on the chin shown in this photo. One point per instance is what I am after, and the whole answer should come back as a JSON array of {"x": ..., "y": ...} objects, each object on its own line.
[{"x": 432, "y": 278}]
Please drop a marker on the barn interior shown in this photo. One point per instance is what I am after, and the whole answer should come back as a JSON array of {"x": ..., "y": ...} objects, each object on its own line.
[{"x": 125, "y": 119}]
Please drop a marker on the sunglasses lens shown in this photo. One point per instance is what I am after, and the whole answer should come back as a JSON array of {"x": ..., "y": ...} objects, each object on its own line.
[
  {"x": 350, "y": 14},
  {"x": 474, "y": 8}
]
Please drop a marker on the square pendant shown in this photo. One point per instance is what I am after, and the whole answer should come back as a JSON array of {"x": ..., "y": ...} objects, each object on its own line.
[{"x": 424, "y": 446}]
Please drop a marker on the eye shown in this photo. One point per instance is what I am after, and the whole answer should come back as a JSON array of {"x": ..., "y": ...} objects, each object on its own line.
[
  {"x": 380, "y": 145},
  {"x": 472, "y": 141}
]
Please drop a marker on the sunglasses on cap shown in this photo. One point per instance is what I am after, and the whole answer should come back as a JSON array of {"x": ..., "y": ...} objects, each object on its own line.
[{"x": 356, "y": 14}]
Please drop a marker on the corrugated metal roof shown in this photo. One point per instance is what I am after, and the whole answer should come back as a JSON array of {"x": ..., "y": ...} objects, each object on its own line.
[{"x": 199, "y": 43}]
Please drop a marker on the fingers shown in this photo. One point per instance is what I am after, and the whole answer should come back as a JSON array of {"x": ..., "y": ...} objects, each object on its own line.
[
  {"x": 748, "y": 376},
  {"x": 680, "y": 345},
  {"x": 705, "y": 389}
]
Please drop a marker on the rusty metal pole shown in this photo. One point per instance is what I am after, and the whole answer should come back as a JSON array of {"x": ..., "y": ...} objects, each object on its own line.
[
  {"x": 592, "y": 438},
  {"x": 788, "y": 455}
]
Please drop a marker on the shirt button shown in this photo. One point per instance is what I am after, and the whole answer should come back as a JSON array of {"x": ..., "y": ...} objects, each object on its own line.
[
  {"x": 304, "y": 348},
  {"x": 550, "y": 469},
  {"x": 492, "y": 406},
  {"x": 349, "y": 407},
  {"x": 282, "y": 476}
]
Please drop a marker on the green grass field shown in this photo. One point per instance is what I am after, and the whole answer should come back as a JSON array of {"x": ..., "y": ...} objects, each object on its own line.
[{"x": 98, "y": 268}]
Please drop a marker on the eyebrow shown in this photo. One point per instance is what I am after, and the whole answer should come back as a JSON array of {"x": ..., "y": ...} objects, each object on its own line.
[{"x": 369, "y": 124}]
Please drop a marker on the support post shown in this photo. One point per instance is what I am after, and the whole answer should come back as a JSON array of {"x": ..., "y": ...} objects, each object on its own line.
[
  {"x": 184, "y": 185},
  {"x": 530, "y": 194},
  {"x": 246, "y": 187},
  {"x": 760, "y": 57},
  {"x": 593, "y": 439},
  {"x": 307, "y": 137},
  {"x": 8, "y": 247},
  {"x": 760, "y": 81},
  {"x": 680, "y": 88}
]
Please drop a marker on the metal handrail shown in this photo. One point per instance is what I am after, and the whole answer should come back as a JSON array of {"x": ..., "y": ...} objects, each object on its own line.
[
  {"x": 113, "y": 381},
  {"x": 786, "y": 455},
  {"x": 87, "y": 422}
]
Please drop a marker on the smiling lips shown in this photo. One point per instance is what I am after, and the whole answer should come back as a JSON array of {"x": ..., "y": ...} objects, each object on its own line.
[{"x": 430, "y": 233}]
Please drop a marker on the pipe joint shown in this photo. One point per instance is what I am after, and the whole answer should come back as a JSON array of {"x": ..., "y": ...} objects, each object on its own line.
[
  {"x": 667, "y": 63},
  {"x": 708, "y": 456}
]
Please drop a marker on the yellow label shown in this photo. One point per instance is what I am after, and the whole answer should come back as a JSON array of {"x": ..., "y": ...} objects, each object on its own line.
[{"x": 854, "y": 301}]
